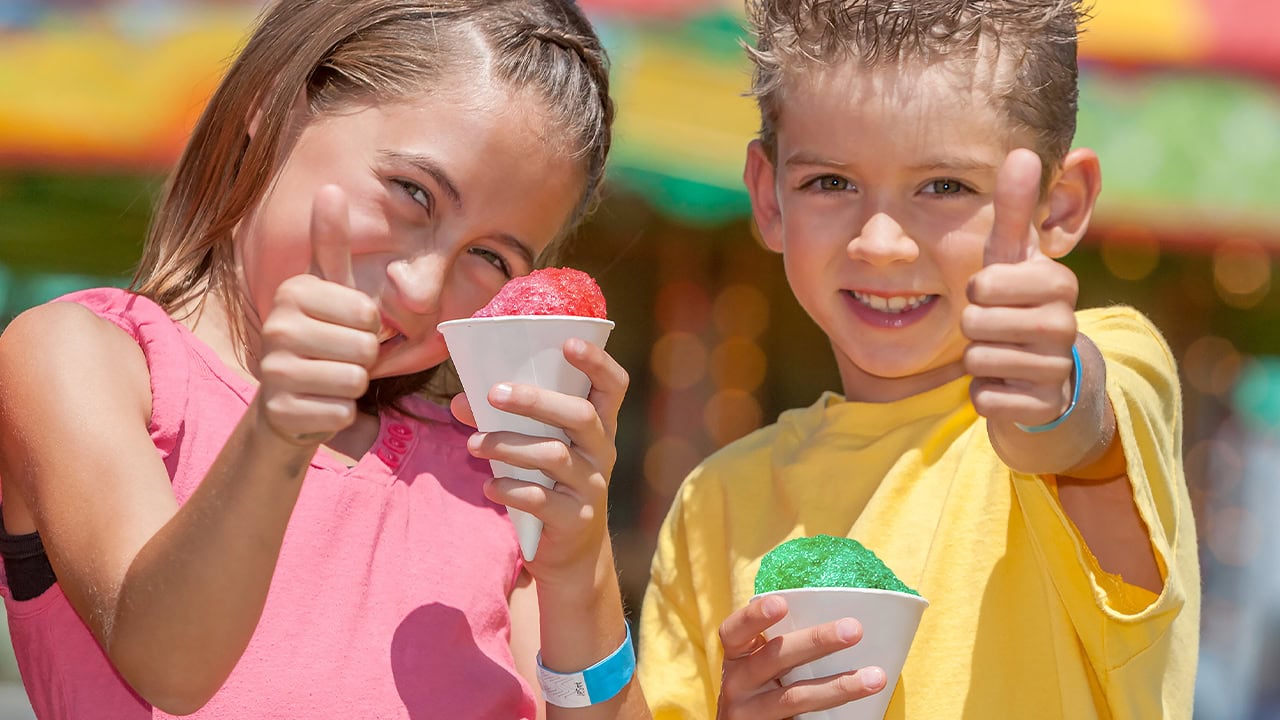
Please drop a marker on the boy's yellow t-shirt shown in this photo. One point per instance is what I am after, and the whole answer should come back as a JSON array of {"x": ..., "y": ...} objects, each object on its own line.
[{"x": 1022, "y": 622}]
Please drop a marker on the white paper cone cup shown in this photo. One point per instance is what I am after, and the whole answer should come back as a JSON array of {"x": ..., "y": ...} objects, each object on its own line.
[
  {"x": 528, "y": 350},
  {"x": 889, "y": 621}
]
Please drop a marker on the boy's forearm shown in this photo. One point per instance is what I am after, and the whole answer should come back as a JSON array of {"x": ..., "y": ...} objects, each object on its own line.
[
  {"x": 195, "y": 592},
  {"x": 1085, "y": 445}
]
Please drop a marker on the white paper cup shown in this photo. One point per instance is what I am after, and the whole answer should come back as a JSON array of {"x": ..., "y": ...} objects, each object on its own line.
[
  {"x": 889, "y": 621},
  {"x": 528, "y": 350}
]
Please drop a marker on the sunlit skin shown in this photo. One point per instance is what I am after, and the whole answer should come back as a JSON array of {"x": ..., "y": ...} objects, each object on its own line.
[{"x": 915, "y": 233}]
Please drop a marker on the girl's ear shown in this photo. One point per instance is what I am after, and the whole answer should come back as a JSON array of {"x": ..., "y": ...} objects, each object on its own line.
[
  {"x": 760, "y": 178},
  {"x": 1070, "y": 202}
]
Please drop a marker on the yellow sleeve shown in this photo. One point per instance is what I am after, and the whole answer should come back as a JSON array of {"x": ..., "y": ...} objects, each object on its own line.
[
  {"x": 674, "y": 671},
  {"x": 1135, "y": 639}
]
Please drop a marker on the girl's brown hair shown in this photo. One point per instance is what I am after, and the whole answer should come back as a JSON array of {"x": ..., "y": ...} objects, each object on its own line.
[{"x": 339, "y": 54}]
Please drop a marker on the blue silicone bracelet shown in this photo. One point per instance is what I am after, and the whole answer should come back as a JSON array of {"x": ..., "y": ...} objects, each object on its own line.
[
  {"x": 1075, "y": 398},
  {"x": 597, "y": 684}
]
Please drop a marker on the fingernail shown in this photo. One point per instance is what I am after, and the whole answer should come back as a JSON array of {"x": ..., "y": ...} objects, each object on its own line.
[
  {"x": 847, "y": 630},
  {"x": 772, "y": 608},
  {"x": 873, "y": 678},
  {"x": 502, "y": 392},
  {"x": 576, "y": 346},
  {"x": 473, "y": 442}
]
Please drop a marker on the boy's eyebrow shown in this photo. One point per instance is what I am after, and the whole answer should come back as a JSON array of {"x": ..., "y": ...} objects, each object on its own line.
[
  {"x": 430, "y": 167},
  {"x": 807, "y": 159},
  {"x": 954, "y": 163}
]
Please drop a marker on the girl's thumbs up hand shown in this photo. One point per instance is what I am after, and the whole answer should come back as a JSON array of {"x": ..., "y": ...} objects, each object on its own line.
[{"x": 320, "y": 339}]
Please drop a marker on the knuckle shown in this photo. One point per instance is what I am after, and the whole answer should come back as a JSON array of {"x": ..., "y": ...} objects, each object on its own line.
[
  {"x": 367, "y": 312},
  {"x": 560, "y": 454},
  {"x": 366, "y": 348},
  {"x": 358, "y": 382},
  {"x": 791, "y": 698},
  {"x": 850, "y": 685}
]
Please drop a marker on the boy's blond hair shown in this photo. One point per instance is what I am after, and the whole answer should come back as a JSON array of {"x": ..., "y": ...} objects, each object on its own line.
[{"x": 1035, "y": 40}]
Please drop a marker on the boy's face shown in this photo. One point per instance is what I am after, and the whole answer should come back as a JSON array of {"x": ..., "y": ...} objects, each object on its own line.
[{"x": 880, "y": 200}]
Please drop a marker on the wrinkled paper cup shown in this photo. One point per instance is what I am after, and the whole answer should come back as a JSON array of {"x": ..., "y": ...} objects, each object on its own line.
[
  {"x": 528, "y": 350},
  {"x": 889, "y": 622}
]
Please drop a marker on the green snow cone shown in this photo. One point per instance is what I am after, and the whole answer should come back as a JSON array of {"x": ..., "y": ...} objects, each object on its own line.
[{"x": 825, "y": 561}]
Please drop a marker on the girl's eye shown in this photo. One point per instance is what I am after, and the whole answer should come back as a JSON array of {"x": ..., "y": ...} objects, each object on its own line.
[
  {"x": 417, "y": 194},
  {"x": 493, "y": 259},
  {"x": 945, "y": 186},
  {"x": 829, "y": 183}
]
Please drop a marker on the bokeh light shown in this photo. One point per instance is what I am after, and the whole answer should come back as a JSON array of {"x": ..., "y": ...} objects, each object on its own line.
[
  {"x": 667, "y": 462},
  {"x": 730, "y": 414},
  {"x": 738, "y": 364},
  {"x": 1241, "y": 272},
  {"x": 1211, "y": 365},
  {"x": 741, "y": 311},
  {"x": 679, "y": 360},
  {"x": 1234, "y": 535},
  {"x": 1131, "y": 253},
  {"x": 1213, "y": 467},
  {"x": 682, "y": 305}
]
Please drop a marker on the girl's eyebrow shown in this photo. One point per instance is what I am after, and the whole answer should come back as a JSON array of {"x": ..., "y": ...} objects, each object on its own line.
[
  {"x": 516, "y": 246},
  {"x": 429, "y": 167}
]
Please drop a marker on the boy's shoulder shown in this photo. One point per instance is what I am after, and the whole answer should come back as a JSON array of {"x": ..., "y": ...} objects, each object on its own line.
[{"x": 1121, "y": 331}]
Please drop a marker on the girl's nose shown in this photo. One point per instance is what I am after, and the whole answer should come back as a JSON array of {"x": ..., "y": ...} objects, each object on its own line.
[
  {"x": 418, "y": 281},
  {"x": 882, "y": 241}
]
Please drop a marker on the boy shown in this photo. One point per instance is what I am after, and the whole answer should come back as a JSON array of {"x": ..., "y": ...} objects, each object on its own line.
[{"x": 1015, "y": 461}]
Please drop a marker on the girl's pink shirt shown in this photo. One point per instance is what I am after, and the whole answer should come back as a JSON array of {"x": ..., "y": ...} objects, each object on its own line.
[{"x": 390, "y": 598}]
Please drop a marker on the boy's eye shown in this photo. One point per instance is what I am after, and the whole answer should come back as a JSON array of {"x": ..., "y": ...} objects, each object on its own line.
[
  {"x": 830, "y": 183},
  {"x": 493, "y": 259},
  {"x": 417, "y": 193},
  {"x": 945, "y": 187}
]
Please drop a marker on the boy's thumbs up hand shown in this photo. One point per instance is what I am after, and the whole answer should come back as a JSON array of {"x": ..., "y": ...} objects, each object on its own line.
[
  {"x": 1021, "y": 320},
  {"x": 320, "y": 338}
]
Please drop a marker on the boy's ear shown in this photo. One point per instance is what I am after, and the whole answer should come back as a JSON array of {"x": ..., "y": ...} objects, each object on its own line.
[
  {"x": 1070, "y": 202},
  {"x": 760, "y": 178}
]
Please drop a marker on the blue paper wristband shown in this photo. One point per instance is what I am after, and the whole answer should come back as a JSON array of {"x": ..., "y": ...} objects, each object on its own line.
[
  {"x": 1075, "y": 398},
  {"x": 598, "y": 683}
]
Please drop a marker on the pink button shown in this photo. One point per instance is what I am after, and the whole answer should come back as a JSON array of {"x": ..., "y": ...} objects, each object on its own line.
[
  {"x": 400, "y": 431},
  {"x": 396, "y": 443},
  {"x": 391, "y": 459}
]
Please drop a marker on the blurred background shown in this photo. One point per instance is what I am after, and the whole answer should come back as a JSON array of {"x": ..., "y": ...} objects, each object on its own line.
[{"x": 1181, "y": 99}]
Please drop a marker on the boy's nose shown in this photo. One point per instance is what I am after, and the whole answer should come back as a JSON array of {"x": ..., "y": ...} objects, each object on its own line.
[
  {"x": 418, "y": 281},
  {"x": 882, "y": 241}
]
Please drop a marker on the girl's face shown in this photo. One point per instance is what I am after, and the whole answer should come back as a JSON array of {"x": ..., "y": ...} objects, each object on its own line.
[{"x": 451, "y": 194}]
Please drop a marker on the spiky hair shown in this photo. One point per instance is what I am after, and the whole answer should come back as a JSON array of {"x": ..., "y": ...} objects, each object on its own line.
[{"x": 1035, "y": 38}]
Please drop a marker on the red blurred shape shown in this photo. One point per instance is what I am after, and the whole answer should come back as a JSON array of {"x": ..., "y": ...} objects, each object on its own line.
[{"x": 1244, "y": 34}]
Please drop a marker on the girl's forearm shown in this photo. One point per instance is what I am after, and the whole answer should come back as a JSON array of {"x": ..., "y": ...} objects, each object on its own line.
[
  {"x": 578, "y": 629},
  {"x": 193, "y": 595}
]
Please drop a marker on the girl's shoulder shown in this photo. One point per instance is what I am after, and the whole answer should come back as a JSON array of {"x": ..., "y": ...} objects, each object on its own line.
[{"x": 54, "y": 356}]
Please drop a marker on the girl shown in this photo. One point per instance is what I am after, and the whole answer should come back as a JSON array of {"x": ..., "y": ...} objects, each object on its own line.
[{"x": 224, "y": 494}]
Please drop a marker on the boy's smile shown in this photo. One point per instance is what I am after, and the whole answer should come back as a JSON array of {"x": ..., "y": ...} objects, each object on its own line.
[{"x": 880, "y": 200}]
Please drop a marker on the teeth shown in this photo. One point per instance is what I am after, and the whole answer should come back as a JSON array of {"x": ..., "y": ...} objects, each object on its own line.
[{"x": 892, "y": 305}]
